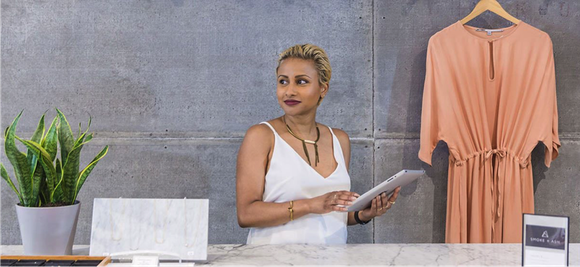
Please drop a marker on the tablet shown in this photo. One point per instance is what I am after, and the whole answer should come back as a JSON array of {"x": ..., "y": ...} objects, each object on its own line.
[{"x": 401, "y": 179}]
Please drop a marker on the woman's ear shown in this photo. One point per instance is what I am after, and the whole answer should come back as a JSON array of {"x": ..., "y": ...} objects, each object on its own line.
[{"x": 323, "y": 89}]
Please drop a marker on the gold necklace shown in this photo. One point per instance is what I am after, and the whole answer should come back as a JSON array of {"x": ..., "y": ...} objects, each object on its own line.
[
  {"x": 307, "y": 141},
  {"x": 111, "y": 221},
  {"x": 164, "y": 220}
]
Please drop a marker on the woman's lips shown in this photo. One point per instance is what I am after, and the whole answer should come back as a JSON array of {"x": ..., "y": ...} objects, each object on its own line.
[{"x": 292, "y": 102}]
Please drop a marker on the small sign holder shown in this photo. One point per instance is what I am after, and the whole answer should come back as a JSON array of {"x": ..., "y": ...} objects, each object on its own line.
[
  {"x": 167, "y": 229},
  {"x": 545, "y": 240}
]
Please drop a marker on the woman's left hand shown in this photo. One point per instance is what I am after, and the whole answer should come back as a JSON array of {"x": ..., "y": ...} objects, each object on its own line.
[{"x": 380, "y": 205}]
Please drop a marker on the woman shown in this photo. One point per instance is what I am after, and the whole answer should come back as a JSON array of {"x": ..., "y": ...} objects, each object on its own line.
[{"x": 292, "y": 173}]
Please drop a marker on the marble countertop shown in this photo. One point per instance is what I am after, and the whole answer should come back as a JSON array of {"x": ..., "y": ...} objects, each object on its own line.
[{"x": 356, "y": 255}]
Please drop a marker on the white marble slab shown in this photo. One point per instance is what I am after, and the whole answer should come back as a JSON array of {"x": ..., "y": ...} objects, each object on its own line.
[
  {"x": 372, "y": 255},
  {"x": 178, "y": 226},
  {"x": 356, "y": 255}
]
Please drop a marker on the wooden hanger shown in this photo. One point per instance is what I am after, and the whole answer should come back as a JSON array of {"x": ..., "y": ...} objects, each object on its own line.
[{"x": 491, "y": 5}]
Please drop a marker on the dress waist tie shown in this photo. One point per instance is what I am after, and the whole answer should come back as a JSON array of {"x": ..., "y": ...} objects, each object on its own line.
[
  {"x": 498, "y": 184},
  {"x": 460, "y": 162},
  {"x": 497, "y": 187}
]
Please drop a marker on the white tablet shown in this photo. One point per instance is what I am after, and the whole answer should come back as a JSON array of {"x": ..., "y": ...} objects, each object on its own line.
[{"x": 401, "y": 179}]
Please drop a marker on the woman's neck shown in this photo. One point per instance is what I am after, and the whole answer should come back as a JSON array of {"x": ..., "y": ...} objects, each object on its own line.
[{"x": 304, "y": 126}]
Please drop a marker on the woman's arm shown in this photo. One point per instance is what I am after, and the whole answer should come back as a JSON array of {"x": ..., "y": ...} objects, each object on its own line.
[{"x": 253, "y": 160}]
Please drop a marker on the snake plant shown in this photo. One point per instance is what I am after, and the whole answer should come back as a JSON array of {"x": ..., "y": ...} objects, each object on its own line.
[{"x": 43, "y": 178}]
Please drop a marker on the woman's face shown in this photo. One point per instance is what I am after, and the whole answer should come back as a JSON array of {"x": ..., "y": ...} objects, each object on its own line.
[{"x": 298, "y": 88}]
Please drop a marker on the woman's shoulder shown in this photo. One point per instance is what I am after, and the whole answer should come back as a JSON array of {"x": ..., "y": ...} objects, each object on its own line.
[
  {"x": 340, "y": 134},
  {"x": 258, "y": 138},
  {"x": 342, "y": 137},
  {"x": 259, "y": 130}
]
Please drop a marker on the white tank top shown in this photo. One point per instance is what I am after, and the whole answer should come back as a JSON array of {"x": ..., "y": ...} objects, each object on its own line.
[{"x": 291, "y": 178}]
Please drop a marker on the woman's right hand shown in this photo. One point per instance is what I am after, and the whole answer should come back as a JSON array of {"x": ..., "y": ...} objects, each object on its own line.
[{"x": 331, "y": 201}]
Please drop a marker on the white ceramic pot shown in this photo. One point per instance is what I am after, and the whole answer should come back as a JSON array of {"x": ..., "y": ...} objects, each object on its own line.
[{"x": 48, "y": 230}]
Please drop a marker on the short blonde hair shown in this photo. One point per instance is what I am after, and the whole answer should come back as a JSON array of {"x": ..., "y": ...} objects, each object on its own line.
[{"x": 310, "y": 52}]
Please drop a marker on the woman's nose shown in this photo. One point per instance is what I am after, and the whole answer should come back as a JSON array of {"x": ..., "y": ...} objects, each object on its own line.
[{"x": 291, "y": 89}]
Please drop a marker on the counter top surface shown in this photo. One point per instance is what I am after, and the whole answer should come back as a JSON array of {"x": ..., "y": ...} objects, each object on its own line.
[{"x": 356, "y": 255}]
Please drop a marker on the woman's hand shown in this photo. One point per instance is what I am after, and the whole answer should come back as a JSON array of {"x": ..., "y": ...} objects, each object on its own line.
[
  {"x": 379, "y": 206},
  {"x": 331, "y": 201}
]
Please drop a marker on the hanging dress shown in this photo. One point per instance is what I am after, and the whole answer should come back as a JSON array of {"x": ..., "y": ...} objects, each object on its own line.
[
  {"x": 291, "y": 178},
  {"x": 491, "y": 97}
]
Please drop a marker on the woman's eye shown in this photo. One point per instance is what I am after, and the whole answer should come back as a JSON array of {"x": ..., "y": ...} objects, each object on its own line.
[
  {"x": 302, "y": 81},
  {"x": 283, "y": 82}
]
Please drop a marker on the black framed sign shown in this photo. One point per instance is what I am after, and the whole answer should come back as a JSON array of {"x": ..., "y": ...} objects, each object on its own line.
[{"x": 545, "y": 240}]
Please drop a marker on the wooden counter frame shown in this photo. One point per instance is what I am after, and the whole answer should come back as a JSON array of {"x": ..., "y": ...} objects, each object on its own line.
[{"x": 104, "y": 260}]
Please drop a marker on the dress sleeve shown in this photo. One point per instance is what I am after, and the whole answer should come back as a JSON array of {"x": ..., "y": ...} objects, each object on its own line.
[
  {"x": 550, "y": 138},
  {"x": 430, "y": 130}
]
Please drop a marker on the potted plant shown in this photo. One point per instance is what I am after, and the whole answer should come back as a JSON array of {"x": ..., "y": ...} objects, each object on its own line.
[{"x": 48, "y": 186}]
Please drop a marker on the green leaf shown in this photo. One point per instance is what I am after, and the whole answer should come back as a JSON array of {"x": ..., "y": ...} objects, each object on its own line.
[
  {"x": 57, "y": 195},
  {"x": 79, "y": 141},
  {"x": 89, "y": 138},
  {"x": 6, "y": 178},
  {"x": 71, "y": 167},
  {"x": 19, "y": 163},
  {"x": 37, "y": 136},
  {"x": 81, "y": 137},
  {"x": 36, "y": 173},
  {"x": 50, "y": 141},
  {"x": 87, "y": 170},
  {"x": 37, "y": 178},
  {"x": 70, "y": 171},
  {"x": 45, "y": 162},
  {"x": 44, "y": 193},
  {"x": 50, "y": 146},
  {"x": 36, "y": 148},
  {"x": 65, "y": 137}
]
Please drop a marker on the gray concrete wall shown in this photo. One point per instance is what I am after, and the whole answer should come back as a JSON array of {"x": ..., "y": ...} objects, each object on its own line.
[{"x": 173, "y": 85}]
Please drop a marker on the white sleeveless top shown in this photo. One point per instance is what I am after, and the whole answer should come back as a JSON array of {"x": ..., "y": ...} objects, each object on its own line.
[{"x": 291, "y": 178}]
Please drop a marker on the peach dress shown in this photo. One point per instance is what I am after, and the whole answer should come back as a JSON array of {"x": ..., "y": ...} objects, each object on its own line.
[{"x": 491, "y": 98}]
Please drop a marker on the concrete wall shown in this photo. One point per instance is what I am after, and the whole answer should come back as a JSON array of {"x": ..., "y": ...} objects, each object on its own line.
[{"x": 173, "y": 85}]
